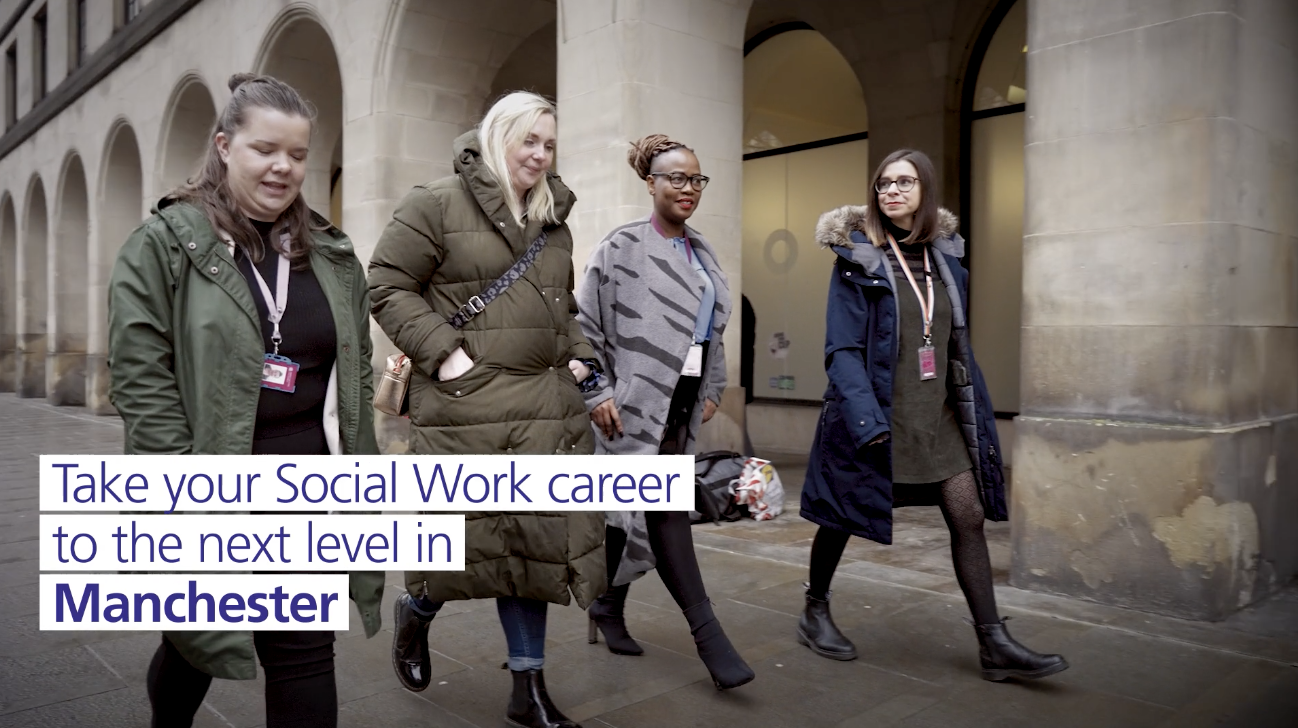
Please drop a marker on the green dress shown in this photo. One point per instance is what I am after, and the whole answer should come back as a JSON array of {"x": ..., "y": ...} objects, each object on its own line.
[{"x": 927, "y": 445}]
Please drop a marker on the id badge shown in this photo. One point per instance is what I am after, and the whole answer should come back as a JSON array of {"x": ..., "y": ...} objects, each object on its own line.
[
  {"x": 693, "y": 362},
  {"x": 927, "y": 362},
  {"x": 279, "y": 373}
]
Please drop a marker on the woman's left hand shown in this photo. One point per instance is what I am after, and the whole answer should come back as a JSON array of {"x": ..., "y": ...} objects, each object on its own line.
[
  {"x": 579, "y": 370},
  {"x": 709, "y": 409}
]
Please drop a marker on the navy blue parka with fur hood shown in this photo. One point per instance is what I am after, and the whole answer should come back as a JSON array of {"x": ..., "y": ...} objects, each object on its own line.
[{"x": 849, "y": 483}]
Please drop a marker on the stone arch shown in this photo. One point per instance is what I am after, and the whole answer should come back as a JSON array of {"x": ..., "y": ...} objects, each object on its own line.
[
  {"x": 805, "y": 127},
  {"x": 69, "y": 315},
  {"x": 993, "y": 135},
  {"x": 299, "y": 51},
  {"x": 187, "y": 129},
  {"x": 33, "y": 292},
  {"x": 436, "y": 68},
  {"x": 8, "y": 292},
  {"x": 119, "y": 209},
  {"x": 532, "y": 66}
]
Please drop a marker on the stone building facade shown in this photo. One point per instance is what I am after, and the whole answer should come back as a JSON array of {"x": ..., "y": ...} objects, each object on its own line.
[{"x": 1126, "y": 172}]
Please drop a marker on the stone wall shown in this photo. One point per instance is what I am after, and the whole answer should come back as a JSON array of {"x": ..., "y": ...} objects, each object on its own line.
[{"x": 1157, "y": 458}]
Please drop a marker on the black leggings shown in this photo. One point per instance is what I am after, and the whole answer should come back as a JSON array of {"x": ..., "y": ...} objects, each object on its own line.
[
  {"x": 672, "y": 542},
  {"x": 300, "y": 688},
  {"x": 963, "y": 511}
]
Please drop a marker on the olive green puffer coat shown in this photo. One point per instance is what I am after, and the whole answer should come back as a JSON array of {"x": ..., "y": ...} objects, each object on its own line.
[{"x": 447, "y": 241}]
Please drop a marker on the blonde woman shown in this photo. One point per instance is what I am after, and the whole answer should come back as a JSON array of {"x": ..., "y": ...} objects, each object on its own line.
[{"x": 499, "y": 378}]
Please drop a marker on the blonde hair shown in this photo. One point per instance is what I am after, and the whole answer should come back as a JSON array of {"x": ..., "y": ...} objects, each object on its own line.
[{"x": 503, "y": 129}]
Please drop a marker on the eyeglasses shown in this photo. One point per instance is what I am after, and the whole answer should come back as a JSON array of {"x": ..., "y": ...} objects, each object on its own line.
[
  {"x": 679, "y": 179},
  {"x": 905, "y": 184}
]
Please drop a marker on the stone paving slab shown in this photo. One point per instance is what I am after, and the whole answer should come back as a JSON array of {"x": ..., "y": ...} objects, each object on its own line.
[{"x": 900, "y": 604}]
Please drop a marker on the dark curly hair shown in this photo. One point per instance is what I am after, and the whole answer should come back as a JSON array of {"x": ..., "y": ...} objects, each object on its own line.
[{"x": 643, "y": 151}]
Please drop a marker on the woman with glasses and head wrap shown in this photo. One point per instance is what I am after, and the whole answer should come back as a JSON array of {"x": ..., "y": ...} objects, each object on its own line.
[{"x": 654, "y": 305}]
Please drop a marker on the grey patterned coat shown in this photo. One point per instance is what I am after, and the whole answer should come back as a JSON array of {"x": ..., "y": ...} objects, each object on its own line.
[{"x": 637, "y": 304}]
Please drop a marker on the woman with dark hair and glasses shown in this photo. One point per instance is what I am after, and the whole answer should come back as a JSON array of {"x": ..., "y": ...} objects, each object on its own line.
[
  {"x": 654, "y": 304},
  {"x": 907, "y": 419}
]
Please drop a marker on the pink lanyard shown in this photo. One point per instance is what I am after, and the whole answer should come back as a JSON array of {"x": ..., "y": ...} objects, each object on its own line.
[{"x": 927, "y": 310}]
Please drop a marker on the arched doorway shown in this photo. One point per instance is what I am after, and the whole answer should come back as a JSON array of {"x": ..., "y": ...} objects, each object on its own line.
[
  {"x": 533, "y": 66},
  {"x": 299, "y": 52},
  {"x": 33, "y": 289},
  {"x": 120, "y": 209},
  {"x": 187, "y": 130},
  {"x": 805, "y": 146},
  {"x": 996, "y": 111},
  {"x": 8, "y": 292},
  {"x": 66, "y": 366}
]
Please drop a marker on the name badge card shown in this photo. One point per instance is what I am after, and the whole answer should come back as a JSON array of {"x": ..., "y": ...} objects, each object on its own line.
[
  {"x": 279, "y": 373},
  {"x": 693, "y": 362},
  {"x": 927, "y": 362}
]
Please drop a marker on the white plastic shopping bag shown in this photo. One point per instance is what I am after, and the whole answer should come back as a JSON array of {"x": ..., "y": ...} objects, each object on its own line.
[{"x": 760, "y": 489}]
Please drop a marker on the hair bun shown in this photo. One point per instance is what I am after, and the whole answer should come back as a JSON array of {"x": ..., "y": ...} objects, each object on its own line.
[
  {"x": 642, "y": 152},
  {"x": 239, "y": 79}
]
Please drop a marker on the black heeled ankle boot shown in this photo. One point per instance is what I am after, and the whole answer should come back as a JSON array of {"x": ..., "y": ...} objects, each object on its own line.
[
  {"x": 727, "y": 668},
  {"x": 530, "y": 705},
  {"x": 410, "y": 644},
  {"x": 606, "y": 615},
  {"x": 816, "y": 629},
  {"x": 1003, "y": 658}
]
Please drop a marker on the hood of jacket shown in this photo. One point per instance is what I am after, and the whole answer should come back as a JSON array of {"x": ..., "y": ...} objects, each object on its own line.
[
  {"x": 470, "y": 165},
  {"x": 843, "y": 228}
]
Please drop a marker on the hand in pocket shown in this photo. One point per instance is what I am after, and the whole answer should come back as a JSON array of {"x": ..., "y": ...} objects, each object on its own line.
[{"x": 455, "y": 366}]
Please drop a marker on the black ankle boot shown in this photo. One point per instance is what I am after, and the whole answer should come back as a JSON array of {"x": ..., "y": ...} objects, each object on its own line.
[
  {"x": 727, "y": 668},
  {"x": 410, "y": 644},
  {"x": 1002, "y": 657},
  {"x": 816, "y": 629},
  {"x": 606, "y": 615},
  {"x": 530, "y": 705}
]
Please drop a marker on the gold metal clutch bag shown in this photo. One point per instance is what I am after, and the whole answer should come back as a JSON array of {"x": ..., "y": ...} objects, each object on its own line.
[{"x": 390, "y": 394}]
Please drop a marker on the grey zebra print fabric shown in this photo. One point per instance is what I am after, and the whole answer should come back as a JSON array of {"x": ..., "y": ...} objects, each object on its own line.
[{"x": 637, "y": 304}]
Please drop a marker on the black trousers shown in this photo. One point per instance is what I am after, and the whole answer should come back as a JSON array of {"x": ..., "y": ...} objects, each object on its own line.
[
  {"x": 670, "y": 536},
  {"x": 300, "y": 687}
]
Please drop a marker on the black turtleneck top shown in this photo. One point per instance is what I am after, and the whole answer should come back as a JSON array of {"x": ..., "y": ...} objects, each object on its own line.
[{"x": 292, "y": 424}]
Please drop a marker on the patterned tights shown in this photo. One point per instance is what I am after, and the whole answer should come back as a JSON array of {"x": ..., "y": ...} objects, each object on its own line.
[{"x": 962, "y": 508}]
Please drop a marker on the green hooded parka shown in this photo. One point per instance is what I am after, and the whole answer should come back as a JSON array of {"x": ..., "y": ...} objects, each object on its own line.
[{"x": 185, "y": 356}]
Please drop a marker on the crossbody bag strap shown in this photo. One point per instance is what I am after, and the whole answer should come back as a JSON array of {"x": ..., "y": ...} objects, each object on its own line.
[{"x": 477, "y": 304}]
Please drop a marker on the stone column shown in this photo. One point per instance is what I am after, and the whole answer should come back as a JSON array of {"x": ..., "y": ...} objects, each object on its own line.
[
  {"x": 672, "y": 67},
  {"x": 1157, "y": 457}
]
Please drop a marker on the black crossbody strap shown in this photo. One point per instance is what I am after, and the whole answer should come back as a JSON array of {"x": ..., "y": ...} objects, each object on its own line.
[{"x": 477, "y": 304}]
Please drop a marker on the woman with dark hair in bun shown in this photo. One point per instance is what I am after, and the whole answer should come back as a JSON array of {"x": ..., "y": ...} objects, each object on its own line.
[
  {"x": 238, "y": 323},
  {"x": 654, "y": 305}
]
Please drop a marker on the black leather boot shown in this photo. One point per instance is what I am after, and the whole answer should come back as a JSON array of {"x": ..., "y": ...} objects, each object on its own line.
[
  {"x": 410, "y": 644},
  {"x": 530, "y": 705},
  {"x": 1003, "y": 658},
  {"x": 727, "y": 668},
  {"x": 816, "y": 629},
  {"x": 606, "y": 615}
]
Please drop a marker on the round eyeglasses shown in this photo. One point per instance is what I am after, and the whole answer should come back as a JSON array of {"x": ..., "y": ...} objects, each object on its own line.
[
  {"x": 678, "y": 180},
  {"x": 904, "y": 184}
]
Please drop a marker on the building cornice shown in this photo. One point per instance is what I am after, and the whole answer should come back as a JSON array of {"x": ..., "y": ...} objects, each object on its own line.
[{"x": 154, "y": 18}]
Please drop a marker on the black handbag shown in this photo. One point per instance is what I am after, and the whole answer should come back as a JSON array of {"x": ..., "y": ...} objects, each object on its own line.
[{"x": 714, "y": 476}]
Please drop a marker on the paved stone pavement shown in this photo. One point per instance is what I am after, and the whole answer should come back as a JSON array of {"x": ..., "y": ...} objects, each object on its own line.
[{"x": 900, "y": 605}]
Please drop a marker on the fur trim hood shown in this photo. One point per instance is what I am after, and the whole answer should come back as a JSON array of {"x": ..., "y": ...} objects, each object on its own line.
[{"x": 835, "y": 228}]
